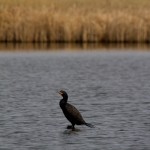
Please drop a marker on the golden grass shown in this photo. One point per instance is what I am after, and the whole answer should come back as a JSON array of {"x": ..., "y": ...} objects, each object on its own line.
[{"x": 74, "y": 21}]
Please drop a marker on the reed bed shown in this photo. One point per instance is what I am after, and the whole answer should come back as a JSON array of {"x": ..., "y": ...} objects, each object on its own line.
[{"x": 67, "y": 21}]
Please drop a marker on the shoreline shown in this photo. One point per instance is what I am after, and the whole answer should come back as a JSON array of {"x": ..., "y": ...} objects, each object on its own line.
[{"x": 73, "y": 46}]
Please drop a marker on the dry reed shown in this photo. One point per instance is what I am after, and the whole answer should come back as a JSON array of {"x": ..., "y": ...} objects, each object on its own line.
[{"x": 19, "y": 23}]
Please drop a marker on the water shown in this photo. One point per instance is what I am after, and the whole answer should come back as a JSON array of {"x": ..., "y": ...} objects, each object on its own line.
[{"x": 111, "y": 89}]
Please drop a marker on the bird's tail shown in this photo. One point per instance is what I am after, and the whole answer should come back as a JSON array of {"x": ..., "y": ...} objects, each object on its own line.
[{"x": 89, "y": 125}]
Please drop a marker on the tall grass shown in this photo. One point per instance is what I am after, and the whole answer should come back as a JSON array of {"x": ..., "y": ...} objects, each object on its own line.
[{"x": 74, "y": 21}]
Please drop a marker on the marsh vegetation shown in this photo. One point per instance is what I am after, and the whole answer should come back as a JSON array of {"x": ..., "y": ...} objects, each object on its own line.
[{"x": 75, "y": 21}]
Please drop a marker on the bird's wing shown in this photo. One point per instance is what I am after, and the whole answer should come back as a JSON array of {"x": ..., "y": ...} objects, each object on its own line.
[{"x": 74, "y": 113}]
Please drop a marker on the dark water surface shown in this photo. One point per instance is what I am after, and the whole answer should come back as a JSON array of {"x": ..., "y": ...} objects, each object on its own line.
[{"x": 111, "y": 89}]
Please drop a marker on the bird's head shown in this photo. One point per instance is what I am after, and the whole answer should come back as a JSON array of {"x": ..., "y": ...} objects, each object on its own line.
[{"x": 63, "y": 94}]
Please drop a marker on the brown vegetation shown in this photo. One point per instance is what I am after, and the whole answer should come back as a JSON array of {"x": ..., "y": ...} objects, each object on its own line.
[{"x": 78, "y": 21}]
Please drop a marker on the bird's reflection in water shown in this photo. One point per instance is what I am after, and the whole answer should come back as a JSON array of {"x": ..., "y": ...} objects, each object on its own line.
[{"x": 72, "y": 131}]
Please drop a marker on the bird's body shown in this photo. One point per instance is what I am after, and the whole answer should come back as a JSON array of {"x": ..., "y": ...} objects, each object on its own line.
[{"x": 70, "y": 112}]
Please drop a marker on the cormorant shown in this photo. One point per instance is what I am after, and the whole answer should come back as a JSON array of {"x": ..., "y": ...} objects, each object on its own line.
[{"x": 70, "y": 112}]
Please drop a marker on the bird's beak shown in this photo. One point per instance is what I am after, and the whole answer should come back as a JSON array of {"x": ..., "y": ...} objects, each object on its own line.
[{"x": 60, "y": 93}]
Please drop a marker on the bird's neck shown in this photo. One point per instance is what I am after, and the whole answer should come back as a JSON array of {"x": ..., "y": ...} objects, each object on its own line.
[{"x": 63, "y": 102}]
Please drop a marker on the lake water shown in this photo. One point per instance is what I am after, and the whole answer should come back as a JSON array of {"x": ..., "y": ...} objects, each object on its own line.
[{"x": 111, "y": 90}]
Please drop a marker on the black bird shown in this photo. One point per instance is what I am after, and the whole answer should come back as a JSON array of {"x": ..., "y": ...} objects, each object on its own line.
[{"x": 71, "y": 113}]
